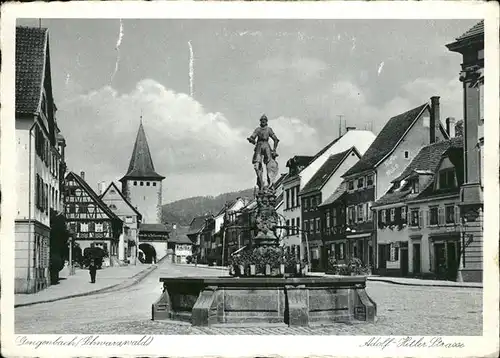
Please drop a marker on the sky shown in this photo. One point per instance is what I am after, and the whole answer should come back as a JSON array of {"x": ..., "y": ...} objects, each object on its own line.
[{"x": 202, "y": 85}]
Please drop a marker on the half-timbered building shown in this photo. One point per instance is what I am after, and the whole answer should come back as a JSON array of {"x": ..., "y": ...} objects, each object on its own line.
[
  {"x": 90, "y": 221},
  {"x": 131, "y": 217}
]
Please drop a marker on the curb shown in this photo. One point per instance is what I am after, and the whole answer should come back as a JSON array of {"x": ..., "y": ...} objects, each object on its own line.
[
  {"x": 107, "y": 289},
  {"x": 135, "y": 280},
  {"x": 430, "y": 284}
]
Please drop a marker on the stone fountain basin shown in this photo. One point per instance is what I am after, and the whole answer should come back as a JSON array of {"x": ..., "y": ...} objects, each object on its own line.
[{"x": 297, "y": 301}]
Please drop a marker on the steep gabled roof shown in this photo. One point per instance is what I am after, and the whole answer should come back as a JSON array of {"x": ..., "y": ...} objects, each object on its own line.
[
  {"x": 386, "y": 140},
  {"x": 31, "y": 46},
  {"x": 83, "y": 184},
  {"x": 426, "y": 161},
  {"x": 324, "y": 149},
  {"x": 280, "y": 180},
  {"x": 477, "y": 29},
  {"x": 429, "y": 157},
  {"x": 180, "y": 239},
  {"x": 337, "y": 194},
  {"x": 197, "y": 224},
  {"x": 122, "y": 196},
  {"x": 153, "y": 228},
  {"x": 141, "y": 164},
  {"x": 474, "y": 37},
  {"x": 324, "y": 173}
]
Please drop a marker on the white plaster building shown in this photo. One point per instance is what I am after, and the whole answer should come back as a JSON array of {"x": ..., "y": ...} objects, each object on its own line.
[{"x": 39, "y": 160}]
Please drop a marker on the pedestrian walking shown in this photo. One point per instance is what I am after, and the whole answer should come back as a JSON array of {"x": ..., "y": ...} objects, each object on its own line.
[{"x": 92, "y": 271}]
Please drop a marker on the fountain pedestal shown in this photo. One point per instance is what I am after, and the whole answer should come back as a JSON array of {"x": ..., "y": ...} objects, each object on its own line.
[{"x": 303, "y": 301}]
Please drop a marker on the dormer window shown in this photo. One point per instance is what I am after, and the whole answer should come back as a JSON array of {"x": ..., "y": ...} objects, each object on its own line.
[
  {"x": 112, "y": 206},
  {"x": 415, "y": 188},
  {"x": 447, "y": 179}
]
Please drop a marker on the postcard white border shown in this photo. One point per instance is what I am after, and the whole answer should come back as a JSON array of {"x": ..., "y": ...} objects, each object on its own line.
[{"x": 289, "y": 346}]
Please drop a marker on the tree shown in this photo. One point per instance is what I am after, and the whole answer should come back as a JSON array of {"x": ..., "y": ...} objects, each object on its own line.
[{"x": 59, "y": 235}]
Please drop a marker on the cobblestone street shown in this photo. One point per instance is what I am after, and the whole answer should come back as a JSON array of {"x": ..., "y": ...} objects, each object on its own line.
[{"x": 402, "y": 310}]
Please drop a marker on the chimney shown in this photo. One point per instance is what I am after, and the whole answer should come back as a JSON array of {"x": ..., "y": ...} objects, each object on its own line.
[
  {"x": 434, "y": 120},
  {"x": 450, "y": 126},
  {"x": 350, "y": 128},
  {"x": 82, "y": 175}
]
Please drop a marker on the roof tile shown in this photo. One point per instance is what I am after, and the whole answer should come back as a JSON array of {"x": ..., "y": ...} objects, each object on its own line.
[
  {"x": 388, "y": 137},
  {"x": 337, "y": 194},
  {"x": 427, "y": 160},
  {"x": 141, "y": 164},
  {"x": 475, "y": 30},
  {"x": 325, "y": 172},
  {"x": 31, "y": 43}
]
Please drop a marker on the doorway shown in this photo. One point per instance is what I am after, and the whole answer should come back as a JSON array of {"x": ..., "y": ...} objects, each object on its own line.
[
  {"x": 382, "y": 257},
  {"x": 452, "y": 260},
  {"x": 440, "y": 259},
  {"x": 404, "y": 261},
  {"x": 416, "y": 258}
]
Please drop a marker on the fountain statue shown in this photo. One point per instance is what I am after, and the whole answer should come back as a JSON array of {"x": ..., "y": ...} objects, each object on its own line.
[{"x": 268, "y": 285}]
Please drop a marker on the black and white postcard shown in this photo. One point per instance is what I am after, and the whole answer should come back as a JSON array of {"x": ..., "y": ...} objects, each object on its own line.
[{"x": 250, "y": 179}]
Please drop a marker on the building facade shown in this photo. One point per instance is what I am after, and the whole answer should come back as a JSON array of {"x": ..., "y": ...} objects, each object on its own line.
[
  {"x": 40, "y": 164},
  {"x": 471, "y": 46},
  {"x": 333, "y": 224},
  {"x": 324, "y": 182},
  {"x": 302, "y": 169},
  {"x": 418, "y": 216},
  {"x": 129, "y": 240},
  {"x": 395, "y": 146},
  {"x": 196, "y": 228},
  {"x": 89, "y": 220}
]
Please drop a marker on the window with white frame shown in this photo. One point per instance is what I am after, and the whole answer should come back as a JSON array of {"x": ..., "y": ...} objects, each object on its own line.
[
  {"x": 383, "y": 216},
  {"x": 318, "y": 225},
  {"x": 370, "y": 212},
  {"x": 450, "y": 214},
  {"x": 99, "y": 227},
  {"x": 414, "y": 217},
  {"x": 403, "y": 212},
  {"x": 393, "y": 214},
  {"x": 361, "y": 212},
  {"x": 327, "y": 219},
  {"x": 129, "y": 219},
  {"x": 84, "y": 227},
  {"x": 393, "y": 253},
  {"x": 334, "y": 217}
]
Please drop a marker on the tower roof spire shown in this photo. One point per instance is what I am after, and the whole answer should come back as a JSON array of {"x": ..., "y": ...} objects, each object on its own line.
[{"x": 141, "y": 164}]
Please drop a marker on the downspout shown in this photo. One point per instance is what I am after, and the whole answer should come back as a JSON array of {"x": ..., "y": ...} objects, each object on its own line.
[{"x": 29, "y": 204}]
